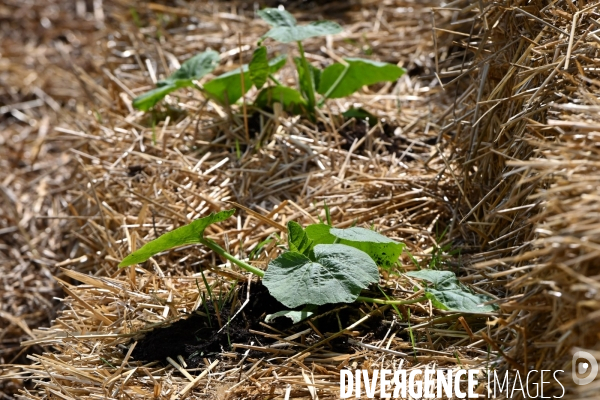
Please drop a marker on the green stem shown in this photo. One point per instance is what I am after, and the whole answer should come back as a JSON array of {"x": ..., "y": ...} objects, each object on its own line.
[
  {"x": 221, "y": 251},
  {"x": 311, "y": 86},
  {"x": 275, "y": 80},
  {"x": 334, "y": 86},
  {"x": 391, "y": 302}
]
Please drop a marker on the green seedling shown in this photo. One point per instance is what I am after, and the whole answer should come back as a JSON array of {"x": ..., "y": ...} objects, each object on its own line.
[
  {"x": 336, "y": 81},
  {"x": 105, "y": 361},
  {"x": 441, "y": 251},
  {"x": 227, "y": 88},
  {"x": 323, "y": 265},
  {"x": 204, "y": 300},
  {"x": 327, "y": 214},
  {"x": 411, "y": 335},
  {"x": 255, "y": 253}
]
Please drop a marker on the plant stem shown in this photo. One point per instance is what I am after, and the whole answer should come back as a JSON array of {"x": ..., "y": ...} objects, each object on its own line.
[
  {"x": 334, "y": 86},
  {"x": 391, "y": 302},
  {"x": 275, "y": 80},
  {"x": 221, "y": 251},
  {"x": 311, "y": 86}
]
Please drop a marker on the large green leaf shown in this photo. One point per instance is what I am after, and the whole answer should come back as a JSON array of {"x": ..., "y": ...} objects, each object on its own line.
[
  {"x": 337, "y": 275},
  {"x": 188, "y": 234},
  {"x": 291, "y": 99},
  {"x": 383, "y": 250},
  {"x": 286, "y": 30},
  {"x": 259, "y": 67},
  {"x": 448, "y": 293},
  {"x": 227, "y": 88},
  {"x": 192, "y": 69},
  {"x": 359, "y": 73}
]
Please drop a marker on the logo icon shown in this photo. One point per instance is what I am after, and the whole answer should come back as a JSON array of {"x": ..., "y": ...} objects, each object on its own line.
[{"x": 581, "y": 368}]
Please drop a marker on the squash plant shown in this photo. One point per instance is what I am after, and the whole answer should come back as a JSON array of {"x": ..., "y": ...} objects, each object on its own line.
[
  {"x": 323, "y": 265},
  {"x": 336, "y": 81}
]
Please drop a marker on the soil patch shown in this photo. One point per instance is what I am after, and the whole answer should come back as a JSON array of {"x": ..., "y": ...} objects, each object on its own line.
[
  {"x": 200, "y": 334},
  {"x": 409, "y": 149}
]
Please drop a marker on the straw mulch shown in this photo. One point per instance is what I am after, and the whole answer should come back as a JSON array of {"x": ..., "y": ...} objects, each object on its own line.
[
  {"x": 527, "y": 156},
  {"x": 130, "y": 181},
  {"x": 41, "y": 44},
  {"x": 501, "y": 157}
]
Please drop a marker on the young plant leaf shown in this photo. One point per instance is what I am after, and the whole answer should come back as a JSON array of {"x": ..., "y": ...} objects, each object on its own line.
[
  {"x": 277, "y": 63},
  {"x": 439, "y": 279},
  {"x": 361, "y": 72},
  {"x": 361, "y": 114},
  {"x": 291, "y": 100},
  {"x": 383, "y": 250},
  {"x": 298, "y": 241},
  {"x": 147, "y": 100},
  {"x": 276, "y": 17},
  {"x": 227, "y": 88},
  {"x": 295, "y": 316},
  {"x": 284, "y": 34},
  {"x": 447, "y": 292},
  {"x": 285, "y": 29},
  {"x": 337, "y": 275},
  {"x": 192, "y": 69},
  {"x": 319, "y": 233},
  {"x": 188, "y": 234},
  {"x": 259, "y": 67}
]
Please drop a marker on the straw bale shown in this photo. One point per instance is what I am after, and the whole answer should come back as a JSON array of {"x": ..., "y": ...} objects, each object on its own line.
[
  {"x": 526, "y": 154},
  {"x": 41, "y": 43}
]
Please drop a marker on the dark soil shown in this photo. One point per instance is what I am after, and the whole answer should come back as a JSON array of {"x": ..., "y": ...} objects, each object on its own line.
[
  {"x": 198, "y": 336},
  {"x": 394, "y": 143}
]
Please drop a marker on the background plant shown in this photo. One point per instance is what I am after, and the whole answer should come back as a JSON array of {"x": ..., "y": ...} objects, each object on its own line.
[{"x": 336, "y": 81}]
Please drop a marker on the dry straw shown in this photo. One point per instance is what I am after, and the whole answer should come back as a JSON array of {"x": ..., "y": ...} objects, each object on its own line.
[
  {"x": 526, "y": 161},
  {"x": 130, "y": 181},
  {"x": 504, "y": 155}
]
